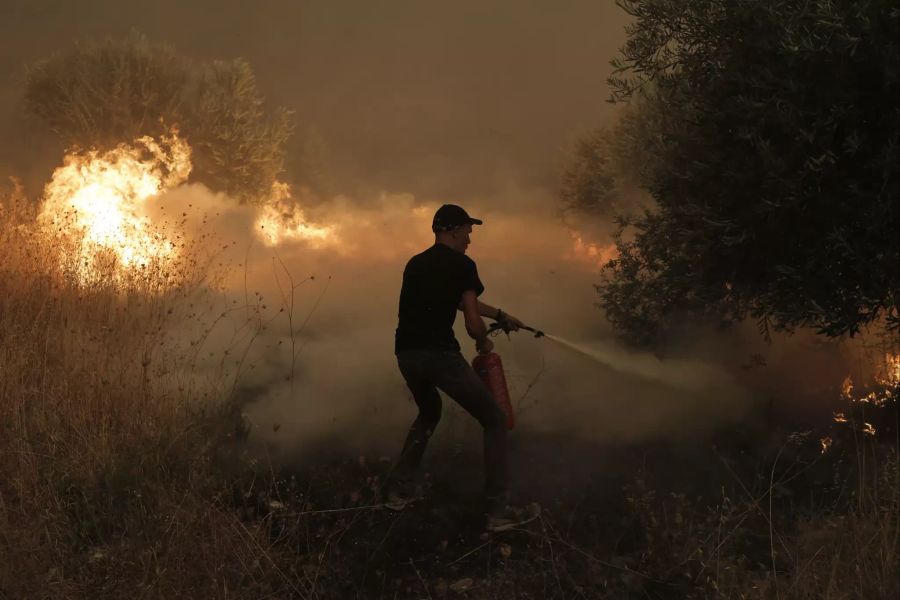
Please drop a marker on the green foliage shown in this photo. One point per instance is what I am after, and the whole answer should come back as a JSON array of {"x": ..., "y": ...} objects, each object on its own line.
[
  {"x": 100, "y": 94},
  {"x": 769, "y": 135}
]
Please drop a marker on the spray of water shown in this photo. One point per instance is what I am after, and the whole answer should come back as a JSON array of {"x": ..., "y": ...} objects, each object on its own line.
[{"x": 681, "y": 374}]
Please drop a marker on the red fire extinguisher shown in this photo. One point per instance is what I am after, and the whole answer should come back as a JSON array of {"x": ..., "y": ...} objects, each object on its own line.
[{"x": 490, "y": 368}]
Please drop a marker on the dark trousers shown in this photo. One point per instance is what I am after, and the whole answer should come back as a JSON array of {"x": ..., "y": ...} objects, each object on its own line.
[{"x": 427, "y": 371}]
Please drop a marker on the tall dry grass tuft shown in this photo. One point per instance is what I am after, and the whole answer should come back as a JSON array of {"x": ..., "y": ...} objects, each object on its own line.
[{"x": 109, "y": 479}]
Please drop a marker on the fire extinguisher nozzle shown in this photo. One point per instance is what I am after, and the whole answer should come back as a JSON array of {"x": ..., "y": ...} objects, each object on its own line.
[{"x": 537, "y": 333}]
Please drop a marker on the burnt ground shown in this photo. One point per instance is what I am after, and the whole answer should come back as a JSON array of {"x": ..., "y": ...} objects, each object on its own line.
[{"x": 618, "y": 521}]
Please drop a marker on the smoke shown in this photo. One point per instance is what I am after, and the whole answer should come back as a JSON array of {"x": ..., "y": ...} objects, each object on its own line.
[{"x": 323, "y": 372}]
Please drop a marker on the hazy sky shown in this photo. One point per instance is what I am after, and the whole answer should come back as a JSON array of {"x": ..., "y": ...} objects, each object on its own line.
[{"x": 433, "y": 98}]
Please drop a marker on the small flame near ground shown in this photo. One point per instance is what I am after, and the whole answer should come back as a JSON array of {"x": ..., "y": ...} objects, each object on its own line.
[
  {"x": 102, "y": 197},
  {"x": 887, "y": 381},
  {"x": 282, "y": 220},
  {"x": 887, "y": 378},
  {"x": 890, "y": 371}
]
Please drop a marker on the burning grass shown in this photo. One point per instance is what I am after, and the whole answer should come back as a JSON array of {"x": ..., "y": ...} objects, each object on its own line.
[
  {"x": 107, "y": 445},
  {"x": 103, "y": 198}
]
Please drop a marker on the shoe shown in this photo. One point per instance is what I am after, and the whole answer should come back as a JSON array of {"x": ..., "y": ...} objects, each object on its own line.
[
  {"x": 510, "y": 517},
  {"x": 400, "y": 494}
]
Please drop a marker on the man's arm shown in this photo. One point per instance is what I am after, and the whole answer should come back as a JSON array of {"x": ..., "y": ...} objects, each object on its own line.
[
  {"x": 475, "y": 326},
  {"x": 486, "y": 310}
]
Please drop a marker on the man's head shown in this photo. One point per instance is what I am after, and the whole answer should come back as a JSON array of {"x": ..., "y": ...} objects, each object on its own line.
[{"x": 452, "y": 226}]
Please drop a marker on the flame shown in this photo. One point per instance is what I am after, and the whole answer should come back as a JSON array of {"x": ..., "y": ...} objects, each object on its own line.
[
  {"x": 890, "y": 371},
  {"x": 847, "y": 388},
  {"x": 282, "y": 220},
  {"x": 825, "y": 444},
  {"x": 590, "y": 254},
  {"x": 887, "y": 378},
  {"x": 868, "y": 429},
  {"x": 102, "y": 196},
  {"x": 839, "y": 417}
]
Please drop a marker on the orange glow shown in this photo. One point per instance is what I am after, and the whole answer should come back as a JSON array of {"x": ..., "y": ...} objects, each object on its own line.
[
  {"x": 282, "y": 220},
  {"x": 890, "y": 371},
  {"x": 887, "y": 378},
  {"x": 103, "y": 196},
  {"x": 589, "y": 254},
  {"x": 847, "y": 388}
]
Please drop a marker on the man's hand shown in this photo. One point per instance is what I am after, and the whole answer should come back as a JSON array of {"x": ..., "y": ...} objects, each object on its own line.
[
  {"x": 484, "y": 345},
  {"x": 510, "y": 322}
]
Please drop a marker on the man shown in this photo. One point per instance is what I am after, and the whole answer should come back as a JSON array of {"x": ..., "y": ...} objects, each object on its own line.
[{"x": 437, "y": 283}]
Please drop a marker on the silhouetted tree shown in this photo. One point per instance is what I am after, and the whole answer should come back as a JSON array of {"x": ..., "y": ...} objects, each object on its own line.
[
  {"x": 769, "y": 136},
  {"x": 100, "y": 94},
  {"x": 238, "y": 148},
  {"x": 590, "y": 180}
]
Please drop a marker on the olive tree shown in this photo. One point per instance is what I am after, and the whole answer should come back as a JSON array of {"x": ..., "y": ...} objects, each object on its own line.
[{"x": 768, "y": 137}]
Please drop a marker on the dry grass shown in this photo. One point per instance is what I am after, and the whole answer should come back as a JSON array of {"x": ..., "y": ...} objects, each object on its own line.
[{"x": 108, "y": 479}]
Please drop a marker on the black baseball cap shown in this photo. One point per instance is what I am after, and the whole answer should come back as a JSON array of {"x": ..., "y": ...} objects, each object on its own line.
[{"x": 449, "y": 216}]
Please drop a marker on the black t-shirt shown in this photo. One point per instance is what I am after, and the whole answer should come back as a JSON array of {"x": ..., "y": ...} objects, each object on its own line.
[{"x": 433, "y": 284}]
